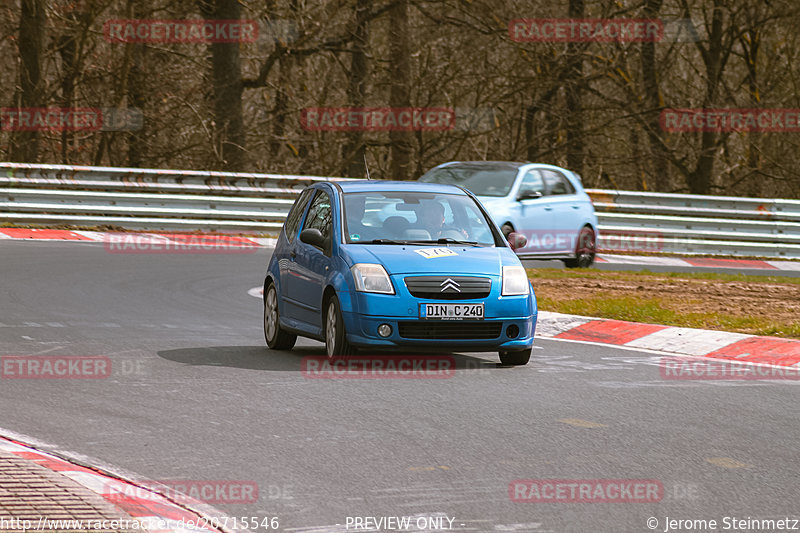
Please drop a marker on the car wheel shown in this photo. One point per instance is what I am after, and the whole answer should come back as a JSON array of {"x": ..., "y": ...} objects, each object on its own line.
[
  {"x": 335, "y": 337},
  {"x": 516, "y": 357},
  {"x": 277, "y": 338},
  {"x": 585, "y": 250},
  {"x": 507, "y": 229}
]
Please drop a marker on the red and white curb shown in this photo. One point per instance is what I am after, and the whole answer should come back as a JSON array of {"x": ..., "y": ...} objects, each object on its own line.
[
  {"x": 206, "y": 240},
  {"x": 143, "y": 504},
  {"x": 120, "y": 238},
  {"x": 681, "y": 341}
]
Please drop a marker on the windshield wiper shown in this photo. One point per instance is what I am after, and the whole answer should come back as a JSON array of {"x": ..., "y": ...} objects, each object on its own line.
[
  {"x": 448, "y": 240},
  {"x": 385, "y": 241}
]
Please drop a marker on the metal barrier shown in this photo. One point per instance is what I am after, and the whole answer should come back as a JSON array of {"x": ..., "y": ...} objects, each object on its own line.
[
  {"x": 146, "y": 198},
  {"x": 693, "y": 224},
  {"x": 195, "y": 200}
]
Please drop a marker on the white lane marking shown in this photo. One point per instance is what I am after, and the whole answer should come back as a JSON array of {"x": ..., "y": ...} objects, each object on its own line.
[
  {"x": 96, "y": 236},
  {"x": 269, "y": 242},
  {"x": 257, "y": 292}
]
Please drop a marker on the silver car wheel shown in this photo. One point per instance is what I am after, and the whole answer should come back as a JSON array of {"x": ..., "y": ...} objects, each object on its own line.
[
  {"x": 330, "y": 329},
  {"x": 271, "y": 313}
]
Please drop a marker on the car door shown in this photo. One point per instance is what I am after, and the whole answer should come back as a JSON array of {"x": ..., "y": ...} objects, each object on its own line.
[
  {"x": 564, "y": 209},
  {"x": 288, "y": 251},
  {"x": 311, "y": 267},
  {"x": 534, "y": 214}
]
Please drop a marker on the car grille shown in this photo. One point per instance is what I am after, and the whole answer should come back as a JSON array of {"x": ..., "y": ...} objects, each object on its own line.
[
  {"x": 448, "y": 287},
  {"x": 451, "y": 329}
]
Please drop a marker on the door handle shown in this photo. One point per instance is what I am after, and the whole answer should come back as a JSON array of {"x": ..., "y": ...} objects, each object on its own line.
[
  {"x": 548, "y": 208},
  {"x": 576, "y": 207}
]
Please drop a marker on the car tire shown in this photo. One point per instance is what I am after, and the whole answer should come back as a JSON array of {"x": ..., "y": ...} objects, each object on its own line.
[
  {"x": 277, "y": 338},
  {"x": 585, "y": 250},
  {"x": 336, "y": 344},
  {"x": 515, "y": 357}
]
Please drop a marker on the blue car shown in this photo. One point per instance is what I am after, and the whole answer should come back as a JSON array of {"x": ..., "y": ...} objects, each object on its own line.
[
  {"x": 545, "y": 203},
  {"x": 380, "y": 265}
]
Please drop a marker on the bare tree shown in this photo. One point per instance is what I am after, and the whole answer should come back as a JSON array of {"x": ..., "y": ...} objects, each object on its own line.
[
  {"x": 32, "y": 31},
  {"x": 399, "y": 95},
  {"x": 226, "y": 80}
]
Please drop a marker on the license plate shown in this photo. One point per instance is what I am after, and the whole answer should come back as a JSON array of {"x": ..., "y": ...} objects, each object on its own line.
[{"x": 452, "y": 311}]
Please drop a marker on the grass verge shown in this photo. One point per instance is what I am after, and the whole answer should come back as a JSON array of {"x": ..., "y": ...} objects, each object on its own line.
[{"x": 755, "y": 305}]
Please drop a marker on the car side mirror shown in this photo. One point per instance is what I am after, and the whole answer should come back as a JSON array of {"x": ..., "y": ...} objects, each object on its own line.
[
  {"x": 517, "y": 240},
  {"x": 528, "y": 195},
  {"x": 313, "y": 236}
]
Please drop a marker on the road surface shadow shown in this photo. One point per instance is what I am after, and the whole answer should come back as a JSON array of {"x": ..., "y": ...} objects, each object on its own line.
[{"x": 262, "y": 358}]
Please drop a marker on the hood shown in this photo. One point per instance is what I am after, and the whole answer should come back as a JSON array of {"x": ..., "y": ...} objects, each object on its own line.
[
  {"x": 416, "y": 259},
  {"x": 486, "y": 200}
]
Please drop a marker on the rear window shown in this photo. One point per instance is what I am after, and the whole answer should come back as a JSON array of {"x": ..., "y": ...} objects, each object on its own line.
[{"x": 481, "y": 181}]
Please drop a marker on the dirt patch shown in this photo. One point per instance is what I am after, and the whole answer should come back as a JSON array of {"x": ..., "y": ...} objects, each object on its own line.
[{"x": 753, "y": 305}]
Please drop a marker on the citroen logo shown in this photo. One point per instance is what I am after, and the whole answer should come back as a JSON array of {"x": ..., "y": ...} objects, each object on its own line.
[{"x": 449, "y": 284}]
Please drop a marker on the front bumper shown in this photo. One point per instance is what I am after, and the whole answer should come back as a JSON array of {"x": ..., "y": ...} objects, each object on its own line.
[
  {"x": 363, "y": 331},
  {"x": 509, "y": 323}
]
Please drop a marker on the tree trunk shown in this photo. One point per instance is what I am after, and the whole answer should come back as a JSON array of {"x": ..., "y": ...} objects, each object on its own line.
[
  {"x": 353, "y": 151},
  {"x": 574, "y": 100},
  {"x": 399, "y": 96},
  {"x": 751, "y": 45},
  {"x": 226, "y": 75},
  {"x": 531, "y": 137},
  {"x": 653, "y": 105},
  {"x": 137, "y": 90},
  {"x": 25, "y": 144},
  {"x": 700, "y": 178}
]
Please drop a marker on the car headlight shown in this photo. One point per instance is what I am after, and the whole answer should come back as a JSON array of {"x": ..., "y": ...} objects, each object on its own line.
[
  {"x": 515, "y": 281},
  {"x": 371, "y": 278}
]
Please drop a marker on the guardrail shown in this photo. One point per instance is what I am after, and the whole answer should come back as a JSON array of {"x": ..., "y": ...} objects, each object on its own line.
[
  {"x": 195, "y": 200},
  {"x": 694, "y": 224},
  {"x": 146, "y": 198}
]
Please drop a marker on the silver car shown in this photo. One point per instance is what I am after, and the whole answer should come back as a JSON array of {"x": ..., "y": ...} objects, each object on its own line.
[{"x": 545, "y": 203}]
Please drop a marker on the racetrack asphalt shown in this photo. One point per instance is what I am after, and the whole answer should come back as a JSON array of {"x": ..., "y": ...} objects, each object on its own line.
[{"x": 195, "y": 395}]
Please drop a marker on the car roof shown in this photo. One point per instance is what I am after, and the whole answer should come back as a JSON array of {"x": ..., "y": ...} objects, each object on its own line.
[
  {"x": 499, "y": 165},
  {"x": 511, "y": 165},
  {"x": 397, "y": 186}
]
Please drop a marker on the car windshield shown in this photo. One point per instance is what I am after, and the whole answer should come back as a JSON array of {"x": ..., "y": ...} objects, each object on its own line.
[
  {"x": 480, "y": 180},
  {"x": 415, "y": 217}
]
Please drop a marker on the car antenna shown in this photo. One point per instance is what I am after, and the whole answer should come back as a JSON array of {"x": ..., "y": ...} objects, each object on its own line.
[{"x": 366, "y": 167}]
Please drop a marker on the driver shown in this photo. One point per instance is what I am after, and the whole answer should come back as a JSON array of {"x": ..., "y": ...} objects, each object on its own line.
[{"x": 431, "y": 216}]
